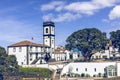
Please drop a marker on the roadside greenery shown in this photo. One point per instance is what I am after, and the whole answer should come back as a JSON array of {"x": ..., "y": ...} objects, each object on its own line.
[
  {"x": 115, "y": 37},
  {"x": 42, "y": 72}
]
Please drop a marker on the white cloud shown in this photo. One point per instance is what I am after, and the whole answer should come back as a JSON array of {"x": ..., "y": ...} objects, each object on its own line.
[
  {"x": 66, "y": 17},
  {"x": 75, "y": 8},
  {"x": 90, "y": 7},
  {"x": 61, "y": 17},
  {"x": 106, "y": 20},
  {"x": 115, "y": 13},
  {"x": 57, "y": 5},
  {"x": 48, "y": 17}
]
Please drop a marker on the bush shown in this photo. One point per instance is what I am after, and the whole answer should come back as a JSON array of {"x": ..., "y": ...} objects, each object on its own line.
[
  {"x": 87, "y": 75},
  {"x": 77, "y": 75},
  {"x": 82, "y": 75},
  {"x": 94, "y": 75},
  {"x": 99, "y": 75},
  {"x": 42, "y": 72}
]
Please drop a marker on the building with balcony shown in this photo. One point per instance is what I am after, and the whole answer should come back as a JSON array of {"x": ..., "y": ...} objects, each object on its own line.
[{"x": 28, "y": 52}]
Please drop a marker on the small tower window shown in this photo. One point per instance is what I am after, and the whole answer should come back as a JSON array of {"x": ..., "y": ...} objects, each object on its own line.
[
  {"x": 46, "y": 30},
  {"x": 52, "y": 41}
]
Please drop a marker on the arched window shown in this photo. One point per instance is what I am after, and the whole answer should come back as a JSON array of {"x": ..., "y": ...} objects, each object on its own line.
[
  {"x": 46, "y": 30},
  {"x": 111, "y": 70}
]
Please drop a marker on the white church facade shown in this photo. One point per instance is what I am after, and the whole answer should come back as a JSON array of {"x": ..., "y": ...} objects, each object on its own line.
[{"x": 28, "y": 52}]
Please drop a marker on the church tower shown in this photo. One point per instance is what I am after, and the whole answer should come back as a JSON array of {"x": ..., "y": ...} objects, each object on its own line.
[{"x": 49, "y": 34}]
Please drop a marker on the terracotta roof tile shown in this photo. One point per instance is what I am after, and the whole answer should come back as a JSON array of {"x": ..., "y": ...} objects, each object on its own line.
[
  {"x": 26, "y": 43},
  {"x": 60, "y": 50}
]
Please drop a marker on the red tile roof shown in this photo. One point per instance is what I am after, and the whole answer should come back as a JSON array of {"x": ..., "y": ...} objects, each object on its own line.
[
  {"x": 60, "y": 50},
  {"x": 27, "y": 43}
]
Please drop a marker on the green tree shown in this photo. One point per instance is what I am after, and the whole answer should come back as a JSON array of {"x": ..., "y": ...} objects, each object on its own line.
[
  {"x": 115, "y": 37},
  {"x": 8, "y": 63},
  {"x": 88, "y": 41},
  {"x": 12, "y": 65}
]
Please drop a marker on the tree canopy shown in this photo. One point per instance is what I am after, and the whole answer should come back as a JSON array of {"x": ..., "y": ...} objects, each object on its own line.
[
  {"x": 115, "y": 37},
  {"x": 8, "y": 63},
  {"x": 88, "y": 41}
]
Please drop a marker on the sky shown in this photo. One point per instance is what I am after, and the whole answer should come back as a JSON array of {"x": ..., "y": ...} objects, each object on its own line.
[{"x": 23, "y": 19}]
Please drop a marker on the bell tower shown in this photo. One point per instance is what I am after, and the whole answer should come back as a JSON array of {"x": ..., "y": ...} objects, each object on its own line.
[{"x": 49, "y": 34}]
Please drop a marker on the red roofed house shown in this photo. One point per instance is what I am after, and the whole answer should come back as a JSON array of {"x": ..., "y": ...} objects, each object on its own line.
[{"x": 28, "y": 52}]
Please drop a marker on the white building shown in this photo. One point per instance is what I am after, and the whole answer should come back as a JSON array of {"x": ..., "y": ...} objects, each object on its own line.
[
  {"x": 93, "y": 69},
  {"x": 61, "y": 54},
  {"x": 28, "y": 52},
  {"x": 109, "y": 52}
]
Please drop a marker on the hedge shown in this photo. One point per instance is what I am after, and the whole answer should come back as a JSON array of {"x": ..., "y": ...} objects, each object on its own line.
[{"x": 42, "y": 72}]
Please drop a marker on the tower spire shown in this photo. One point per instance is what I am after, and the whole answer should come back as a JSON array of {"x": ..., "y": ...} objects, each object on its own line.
[{"x": 110, "y": 43}]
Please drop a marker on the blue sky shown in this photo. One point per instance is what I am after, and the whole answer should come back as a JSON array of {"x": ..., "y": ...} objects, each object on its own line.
[{"x": 23, "y": 19}]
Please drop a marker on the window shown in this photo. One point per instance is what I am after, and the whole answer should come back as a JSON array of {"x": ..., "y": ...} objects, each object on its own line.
[
  {"x": 46, "y": 30},
  {"x": 112, "y": 70},
  {"x": 85, "y": 69},
  {"x": 104, "y": 56},
  {"x": 76, "y": 69},
  {"x": 36, "y": 55},
  {"x": 30, "y": 48},
  {"x": 96, "y": 57},
  {"x": 20, "y": 49},
  {"x": 95, "y": 69},
  {"x": 14, "y": 49},
  {"x": 36, "y": 48},
  {"x": 21, "y": 63},
  {"x": 52, "y": 41},
  {"x": 30, "y": 57}
]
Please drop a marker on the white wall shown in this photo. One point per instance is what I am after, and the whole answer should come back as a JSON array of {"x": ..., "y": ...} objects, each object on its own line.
[
  {"x": 52, "y": 30},
  {"x": 21, "y": 56},
  {"x": 91, "y": 66},
  {"x": 60, "y": 57},
  {"x": 118, "y": 68}
]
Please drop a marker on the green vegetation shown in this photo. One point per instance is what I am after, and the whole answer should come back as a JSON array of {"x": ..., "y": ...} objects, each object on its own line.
[
  {"x": 91, "y": 40},
  {"x": 8, "y": 63},
  {"x": 88, "y": 41},
  {"x": 115, "y": 37},
  {"x": 42, "y": 72}
]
